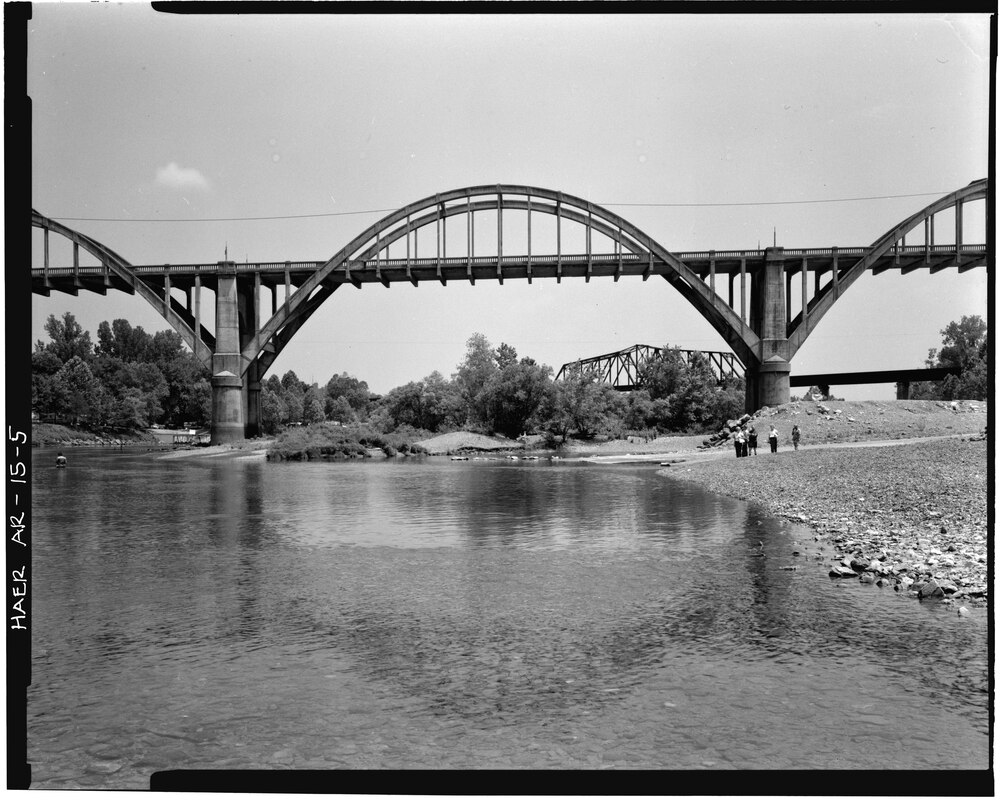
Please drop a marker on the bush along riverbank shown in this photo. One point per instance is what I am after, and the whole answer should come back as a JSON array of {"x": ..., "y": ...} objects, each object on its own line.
[
  {"x": 906, "y": 517},
  {"x": 329, "y": 441}
]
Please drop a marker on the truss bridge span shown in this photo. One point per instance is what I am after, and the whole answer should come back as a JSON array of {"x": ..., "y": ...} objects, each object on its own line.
[{"x": 623, "y": 368}]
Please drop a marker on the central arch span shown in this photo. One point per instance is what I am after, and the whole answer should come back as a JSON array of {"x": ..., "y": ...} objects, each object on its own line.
[{"x": 368, "y": 251}]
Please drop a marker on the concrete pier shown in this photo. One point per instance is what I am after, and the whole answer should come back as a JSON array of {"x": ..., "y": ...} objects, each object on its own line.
[
  {"x": 228, "y": 415},
  {"x": 767, "y": 377}
]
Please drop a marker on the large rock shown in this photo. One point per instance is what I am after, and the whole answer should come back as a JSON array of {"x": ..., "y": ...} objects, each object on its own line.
[
  {"x": 840, "y": 571},
  {"x": 859, "y": 563},
  {"x": 930, "y": 589}
]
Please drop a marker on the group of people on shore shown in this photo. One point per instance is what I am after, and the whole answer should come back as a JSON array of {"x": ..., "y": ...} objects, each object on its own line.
[{"x": 745, "y": 440}]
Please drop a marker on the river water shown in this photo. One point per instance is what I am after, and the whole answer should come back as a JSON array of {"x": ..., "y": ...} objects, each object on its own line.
[{"x": 231, "y": 613}]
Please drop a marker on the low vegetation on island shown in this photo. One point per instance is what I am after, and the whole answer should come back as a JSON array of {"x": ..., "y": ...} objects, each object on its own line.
[{"x": 326, "y": 440}]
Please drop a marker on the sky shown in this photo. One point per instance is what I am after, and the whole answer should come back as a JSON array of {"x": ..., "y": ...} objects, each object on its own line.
[{"x": 160, "y": 134}]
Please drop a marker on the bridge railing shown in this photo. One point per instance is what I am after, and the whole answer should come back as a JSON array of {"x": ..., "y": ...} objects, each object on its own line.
[{"x": 463, "y": 261}]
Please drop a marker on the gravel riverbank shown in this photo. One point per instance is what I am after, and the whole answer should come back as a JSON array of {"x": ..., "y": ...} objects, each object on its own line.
[{"x": 910, "y": 516}]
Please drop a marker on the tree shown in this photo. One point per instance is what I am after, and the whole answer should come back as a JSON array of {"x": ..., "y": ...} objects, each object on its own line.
[
  {"x": 478, "y": 367},
  {"x": 273, "y": 411},
  {"x": 964, "y": 346},
  {"x": 189, "y": 396},
  {"x": 139, "y": 382},
  {"x": 404, "y": 406},
  {"x": 77, "y": 393},
  {"x": 291, "y": 383},
  {"x": 428, "y": 404},
  {"x": 354, "y": 392},
  {"x": 44, "y": 362},
  {"x": 505, "y": 355},
  {"x": 293, "y": 407},
  {"x": 661, "y": 376},
  {"x": 44, "y": 366},
  {"x": 68, "y": 338},
  {"x": 639, "y": 411},
  {"x": 129, "y": 410},
  {"x": 312, "y": 406},
  {"x": 198, "y": 402},
  {"x": 582, "y": 405},
  {"x": 165, "y": 347},
  {"x": 339, "y": 410},
  {"x": 443, "y": 402},
  {"x": 121, "y": 340},
  {"x": 514, "y": 395}
]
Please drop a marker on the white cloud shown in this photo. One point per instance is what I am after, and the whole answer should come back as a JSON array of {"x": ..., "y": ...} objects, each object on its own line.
[{"x": 177, "y": 177}]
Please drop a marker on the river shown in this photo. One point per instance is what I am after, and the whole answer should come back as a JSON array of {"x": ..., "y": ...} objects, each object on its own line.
[{"x": 230, "y": 613}]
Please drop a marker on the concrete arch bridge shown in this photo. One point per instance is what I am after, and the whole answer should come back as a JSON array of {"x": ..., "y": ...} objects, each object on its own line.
[{"x": 434, "y": 239}]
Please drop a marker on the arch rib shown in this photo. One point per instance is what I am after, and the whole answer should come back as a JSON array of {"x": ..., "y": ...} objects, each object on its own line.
[
  {"x": 380, "y": 235},
  {"x": 977, "y": 190},
  {"x": 123, "y": 270}
]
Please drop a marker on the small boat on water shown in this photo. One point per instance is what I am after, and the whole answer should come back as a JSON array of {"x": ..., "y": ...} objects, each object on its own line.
[{"x": 460, "y": 458}]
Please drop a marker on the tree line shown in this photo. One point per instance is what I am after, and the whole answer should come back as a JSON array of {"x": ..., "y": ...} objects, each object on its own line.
[
  {"x": 494, "y": 391},
  {"x": 132, "y": 379},
  {"x": 129, "y": 379}
]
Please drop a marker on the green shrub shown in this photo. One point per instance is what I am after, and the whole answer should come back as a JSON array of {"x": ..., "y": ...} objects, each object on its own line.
[{"x": 327, "y": 440}]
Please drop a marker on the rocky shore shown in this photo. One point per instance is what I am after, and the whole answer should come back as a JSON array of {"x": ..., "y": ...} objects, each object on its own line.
[
  {"x": 909, "y": 516},
  {"x": 49, "y": 434}
]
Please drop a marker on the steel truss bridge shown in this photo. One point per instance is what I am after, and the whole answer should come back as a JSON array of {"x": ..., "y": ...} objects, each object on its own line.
[
  {"x": 622, "y": 369},
  {"x": 748, "y": 296}
]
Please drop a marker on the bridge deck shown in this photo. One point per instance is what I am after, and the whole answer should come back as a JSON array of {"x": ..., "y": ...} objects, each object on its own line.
[{"x": 484, "y": 268}]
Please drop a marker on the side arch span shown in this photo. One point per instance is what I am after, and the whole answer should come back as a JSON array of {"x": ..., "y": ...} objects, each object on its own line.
[
  {"x": 364, "y": 253},
  {"x": 175, "y": 314},
  {"x": 801, "y": 327}
]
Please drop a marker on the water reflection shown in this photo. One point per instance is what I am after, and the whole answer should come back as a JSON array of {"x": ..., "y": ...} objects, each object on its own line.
[{"x": 456, "y": 615}]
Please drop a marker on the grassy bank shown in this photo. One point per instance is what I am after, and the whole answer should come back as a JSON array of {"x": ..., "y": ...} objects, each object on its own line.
[
  {"x": 329, "y": 441},
  {"x": 897, "y": 516}
]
